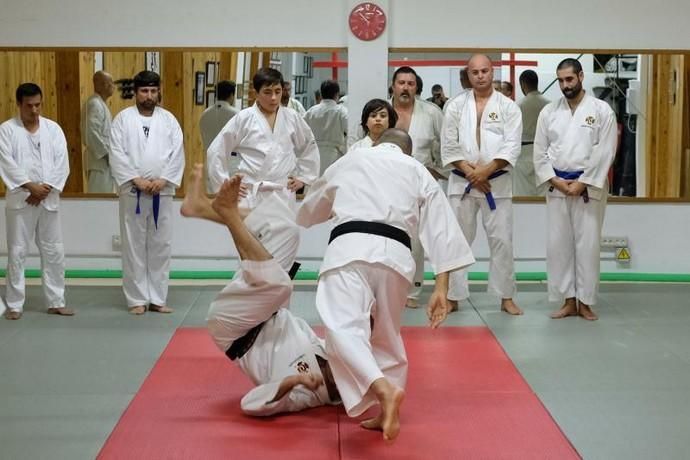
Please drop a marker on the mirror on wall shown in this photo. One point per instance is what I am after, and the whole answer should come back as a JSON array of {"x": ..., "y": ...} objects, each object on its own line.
[
  {"x": 189, "y": 85},
  {"x": 650, "y": 94}
]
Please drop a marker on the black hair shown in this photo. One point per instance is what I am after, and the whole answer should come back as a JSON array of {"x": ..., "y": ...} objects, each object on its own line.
[{"x": 375, "y": 105}]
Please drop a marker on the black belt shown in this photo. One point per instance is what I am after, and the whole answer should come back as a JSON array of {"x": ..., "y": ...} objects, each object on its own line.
[
  {"x": 373, "y": 228},
  {"x": 241, "y": 346},
  {"x": 527, "y": 143}
]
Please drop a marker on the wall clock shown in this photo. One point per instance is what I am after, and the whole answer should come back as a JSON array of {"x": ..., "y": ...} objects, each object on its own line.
[{"x": 367, "y": 21}]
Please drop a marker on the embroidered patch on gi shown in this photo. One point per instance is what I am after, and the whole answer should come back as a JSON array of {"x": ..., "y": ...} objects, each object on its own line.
[
  {"x": 590, "y": 120},
  {"x": 302, "y": 367},
  {"x": 493, "y": 116}
]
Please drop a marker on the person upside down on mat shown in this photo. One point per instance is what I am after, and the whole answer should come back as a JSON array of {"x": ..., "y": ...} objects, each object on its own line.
[
  {"x": 378, "y": 198},
  {"x": 249, "y": 320}
]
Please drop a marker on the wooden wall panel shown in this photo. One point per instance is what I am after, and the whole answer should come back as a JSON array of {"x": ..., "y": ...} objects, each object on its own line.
[
  {"x": 69, "y": 114},
  {"x": 122, "y": 64},
  {"x": 666, "y": 124}
]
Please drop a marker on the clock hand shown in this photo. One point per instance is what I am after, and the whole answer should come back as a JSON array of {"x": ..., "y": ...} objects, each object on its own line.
[{"x": 364, "y": 17}]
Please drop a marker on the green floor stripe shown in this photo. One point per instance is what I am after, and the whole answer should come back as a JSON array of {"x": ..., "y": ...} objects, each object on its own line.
[{"x": 312, "y": 276}]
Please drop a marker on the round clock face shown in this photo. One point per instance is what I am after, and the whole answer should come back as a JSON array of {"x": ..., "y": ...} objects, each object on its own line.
[{"x": 367, "y": 21}]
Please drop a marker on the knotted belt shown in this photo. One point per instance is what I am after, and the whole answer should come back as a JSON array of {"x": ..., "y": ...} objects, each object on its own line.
[
  {"x": 372, "y": 228},
  {"x": 489, "y": 195},
  {"x": 156, "y": 199},
  {"x": 571, "y": 175},
  {"x": 241, "y": 346}
]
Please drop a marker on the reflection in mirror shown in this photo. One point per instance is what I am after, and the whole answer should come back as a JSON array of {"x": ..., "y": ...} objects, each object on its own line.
[
  {"x": 78, "y": 95},
  {"x": 648, "y": 93}
]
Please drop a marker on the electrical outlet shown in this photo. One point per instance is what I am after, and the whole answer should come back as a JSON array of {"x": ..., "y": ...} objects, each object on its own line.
[
  {"x": 117, "y": 245},
  {"x": 612, "y": 242}
]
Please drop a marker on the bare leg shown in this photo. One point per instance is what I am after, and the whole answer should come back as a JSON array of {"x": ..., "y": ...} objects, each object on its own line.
[
  {"x": 390, "y": 398},
  {"x": 569, "y": 308},
  {"x": 510, "y": 307},
  {"x": 586, "y": 312},
  {"x": 225, "y": 207}
]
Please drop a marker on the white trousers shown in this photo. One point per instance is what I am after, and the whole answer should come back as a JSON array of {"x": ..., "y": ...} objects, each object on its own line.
[
  {"x": 347, "y": 298},
  {"x": 100, "y": 182},
  {"x": 498, "y": 225},
  {"x": 257, "y": 290},
  {"x": 145, "y": 249},
  {"x": 572, "y": 250},
  {"x": 23, "y": 225}
]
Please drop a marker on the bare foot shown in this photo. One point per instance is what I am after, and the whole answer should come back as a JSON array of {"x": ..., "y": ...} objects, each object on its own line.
[
  {"x": 390, "y": 411},
  {"x": 508, "y": 306},
  {"x": 225, "y": 203},
  {"x": 586, "y": 312},
  {"x": 568, "y": 309},
  {"x": 195, "y": 200},
  {"x": 375, "y": 423},
  {"x": 454, "y": 305}
]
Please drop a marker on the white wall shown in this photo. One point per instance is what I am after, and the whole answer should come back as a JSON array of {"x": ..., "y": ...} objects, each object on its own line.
[
  {"x": 657, "y": 236},
  {"x": 593, "y": 24},
  {"x": 657, "y": 232}
]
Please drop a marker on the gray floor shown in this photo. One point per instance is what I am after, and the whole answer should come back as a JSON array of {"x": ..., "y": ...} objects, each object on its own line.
[{"x": 617, "y": 387}]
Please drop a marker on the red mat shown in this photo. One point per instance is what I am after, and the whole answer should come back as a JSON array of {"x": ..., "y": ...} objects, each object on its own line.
[{"x": 464, "y": 400}]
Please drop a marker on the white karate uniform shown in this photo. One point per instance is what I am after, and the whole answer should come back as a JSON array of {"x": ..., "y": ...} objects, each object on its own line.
[
  {"x": 41, "y": 158},
  {"x": 211, "y": 123},
  {"x": 160, "y": 155},
  {"x": 328, "y": 122},
  {"x": 500, "y": 132},
  {"x": 260, "y": 291},
  {"x": 425, "y": 130},
  {"x": 297, "y": 106},
  {"x": 524, "y": 180},
  {"x": 96, "y": 125},
  {"x": 365, "y": 275},
  {"x": 363, "y": 143},
  {"x": 267, "y": 158},
  {"x": 582, "y": 141}
]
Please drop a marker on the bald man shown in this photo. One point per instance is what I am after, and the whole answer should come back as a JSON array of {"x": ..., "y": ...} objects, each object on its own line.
[
  {"x": 95, "y": 128},
  {"x": 481, "y": 140},
  {"x": 378, "y": 198}
]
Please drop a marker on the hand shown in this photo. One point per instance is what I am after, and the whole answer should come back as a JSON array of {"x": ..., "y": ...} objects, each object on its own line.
[
  {"x": 479, "y": 174},
  {"x": 311, "y": 381},
  {"x": 483, "y": 186},
  {"x": 244, "y": 190},
  {"x": 32, "y": 200},
  {"x": 294, "y": 184},
  {"x": 142, "y": 184},
  {"x": 36, "y": 190},
  {"x": 438, "y": 308},
  {"x": 156, "y": 186},
  {"x": 561, "y": 185},
  {"x": 576, "y": 188}
]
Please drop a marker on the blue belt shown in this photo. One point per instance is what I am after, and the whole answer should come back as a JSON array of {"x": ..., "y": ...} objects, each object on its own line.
[
  {"x": 571, "y": 175},
  {"x": 489, "y": 195},
  {"x": 156, "y": 206}
]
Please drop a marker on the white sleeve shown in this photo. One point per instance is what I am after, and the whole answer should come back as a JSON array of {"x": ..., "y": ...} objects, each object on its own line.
[
  {"x": 57, "y": 177},
  {"x": 219, "y": 153},
  {"x": 451, "y": 148},
  {"x": 256, "y": 402},
  {"x": 308, "y": 160},
  {"x": 437, "y": 123},
  {"x": 120, "y": 164},
  {"x": 96, "y": 141},
  {"x": 603, "y": 152},
  {"x": 318, "y": 204},
  {"x": 12, "y": 174},
  {"x": 542, "y": 165},
  {"x": 439, "y": 231},
  {"x": 174, "y": 168},
  {"x": 512, "y": 135}
]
